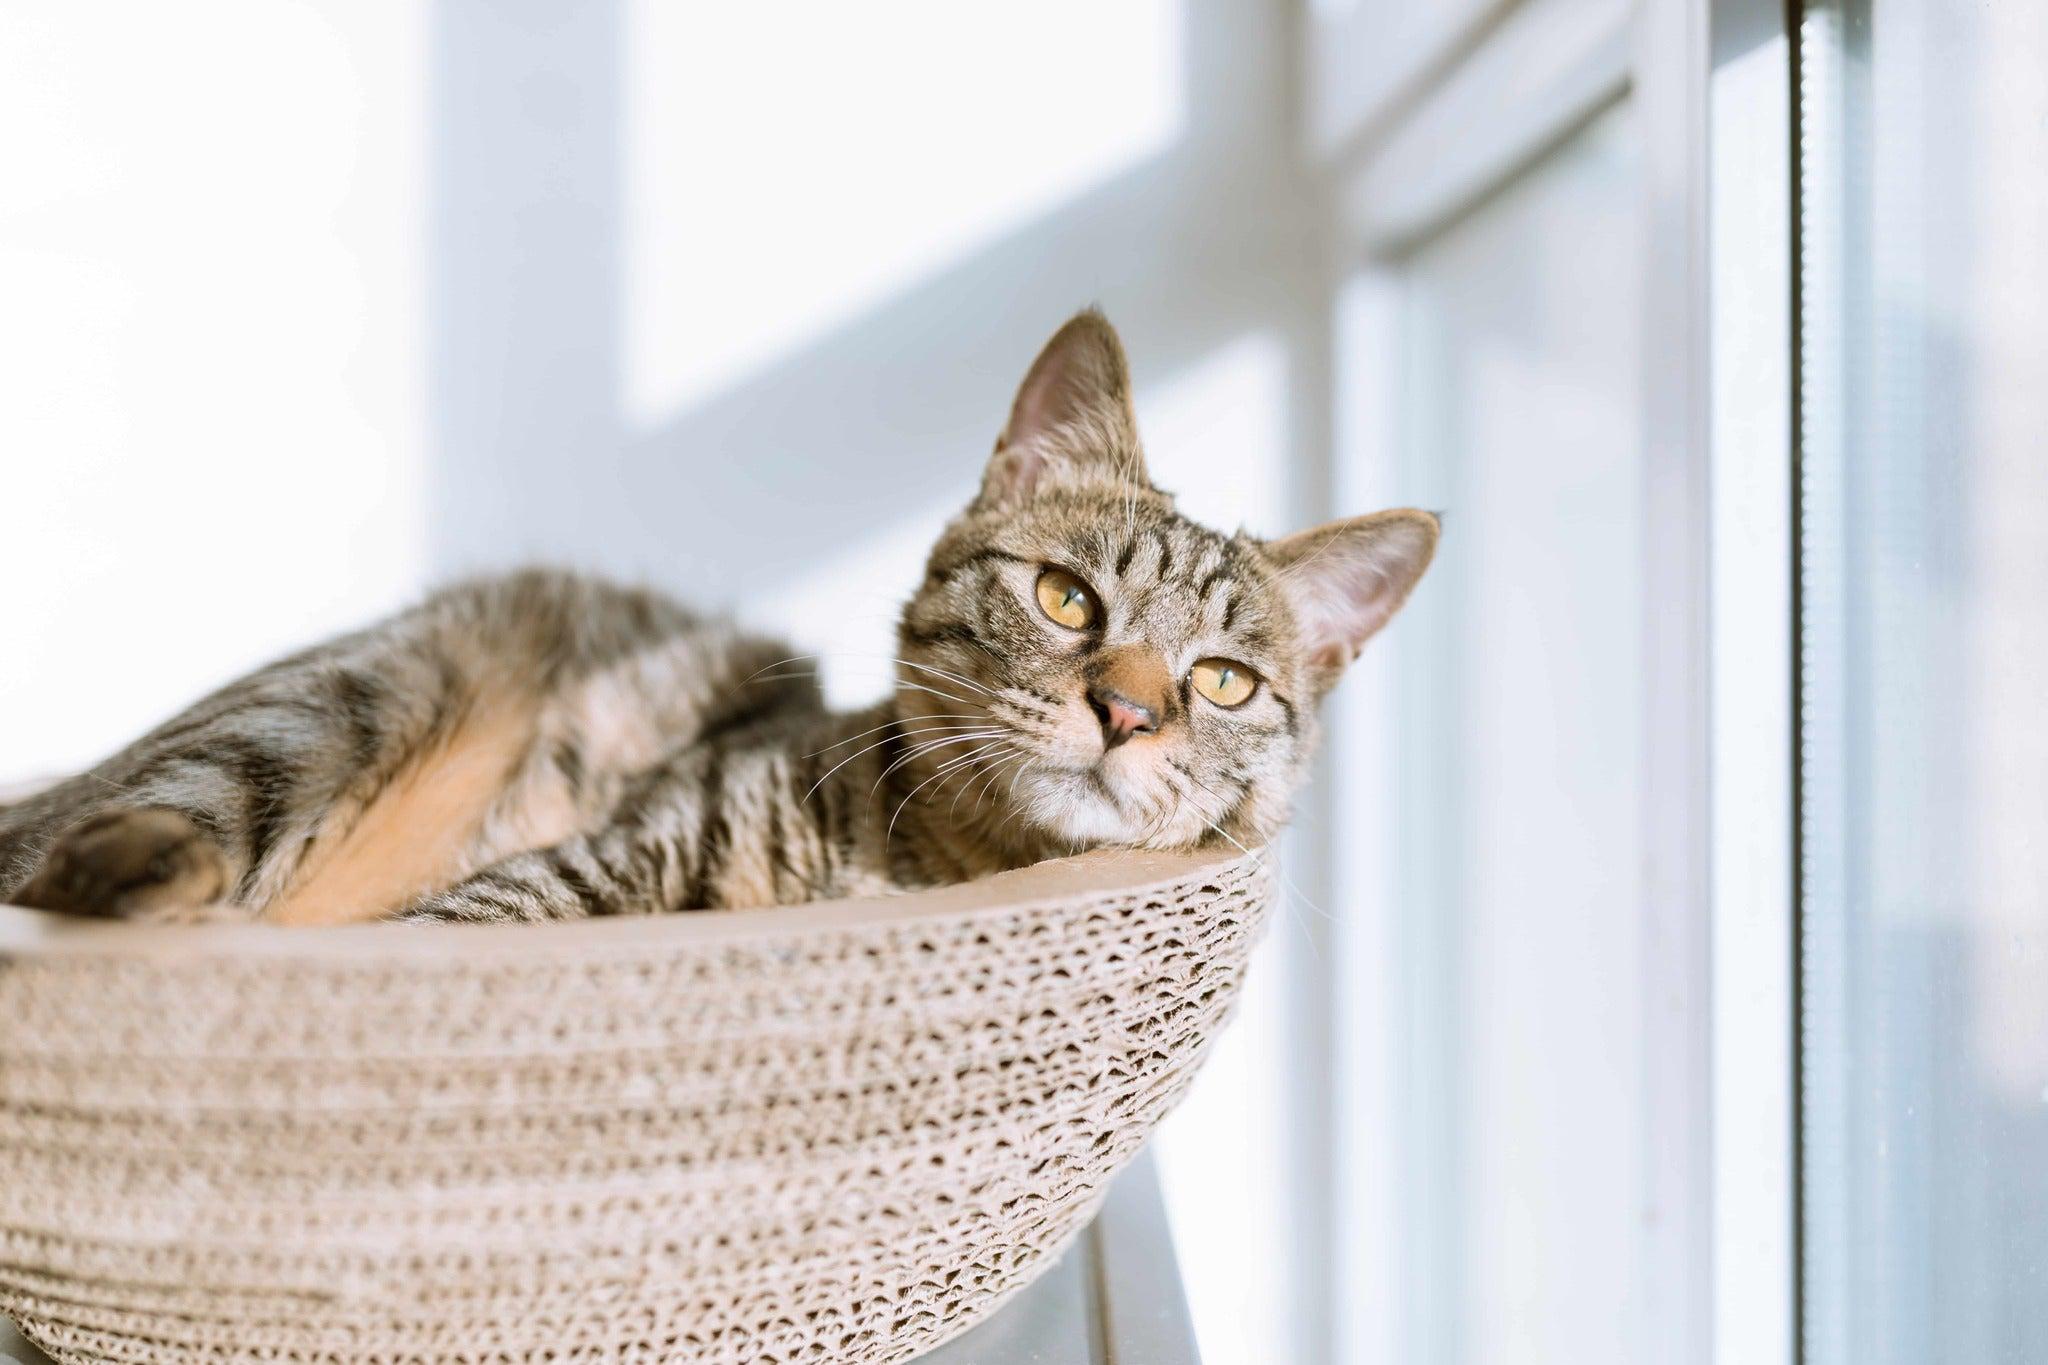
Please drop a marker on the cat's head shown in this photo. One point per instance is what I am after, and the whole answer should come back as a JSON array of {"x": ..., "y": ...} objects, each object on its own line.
[{"x": 1097, "y": 668}]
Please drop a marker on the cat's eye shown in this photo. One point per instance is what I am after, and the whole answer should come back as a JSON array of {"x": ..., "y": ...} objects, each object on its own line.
[
  {"x": 1224, "y": 682},
  {"x": 1066, "y": 600}
]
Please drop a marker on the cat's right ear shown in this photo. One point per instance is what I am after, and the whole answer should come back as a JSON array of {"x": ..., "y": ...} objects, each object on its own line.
[
  {"x": 1072, "y": 421},
  {"x": 1346, "y": 579}
]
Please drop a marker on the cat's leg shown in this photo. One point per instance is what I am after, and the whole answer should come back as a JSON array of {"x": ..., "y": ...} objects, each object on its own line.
[
  {"x": 130, "y": 862},
  {"x": 689, "y": 834},
  {"x": 183, "y": 818},
  {"x": 653, "y": 855},
  {"x": 575, "y": 879},
  {"x": 205, "y": 812},
  {"x": 217, "y": 811}
]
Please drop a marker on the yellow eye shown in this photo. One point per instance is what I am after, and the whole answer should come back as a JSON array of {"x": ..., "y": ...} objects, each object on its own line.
[
  {"x": 1066, "y": 600},
  {"x": 1224, "y": 682}
]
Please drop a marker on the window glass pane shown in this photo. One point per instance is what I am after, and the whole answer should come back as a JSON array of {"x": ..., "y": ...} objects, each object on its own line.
[{"x": 1924, "y": 656}]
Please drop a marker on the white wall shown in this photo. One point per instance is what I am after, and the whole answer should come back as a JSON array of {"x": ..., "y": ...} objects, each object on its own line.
[{"x": 213, "y": 439}]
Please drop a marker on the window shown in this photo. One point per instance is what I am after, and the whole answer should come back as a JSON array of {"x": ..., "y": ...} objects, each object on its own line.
[
  {"x": 1520, "y": 908},
  {"x": 1801, "y": 251},
  {"x": 1924, "y": 653},
  {"x": 1511, "y": 998}
]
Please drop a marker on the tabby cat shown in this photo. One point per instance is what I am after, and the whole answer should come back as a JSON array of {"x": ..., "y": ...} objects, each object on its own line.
[{"x": 1081, "y": 667}]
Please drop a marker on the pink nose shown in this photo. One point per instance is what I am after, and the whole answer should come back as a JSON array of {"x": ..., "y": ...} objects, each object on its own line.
[{"x": 1121, "y": 717}]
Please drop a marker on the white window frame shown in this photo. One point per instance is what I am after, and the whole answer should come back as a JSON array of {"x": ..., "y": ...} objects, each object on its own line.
[{"x": 1710, "y": 84}]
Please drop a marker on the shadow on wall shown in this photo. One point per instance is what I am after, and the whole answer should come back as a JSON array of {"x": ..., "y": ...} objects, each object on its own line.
[{"x": 883, "y": 417}]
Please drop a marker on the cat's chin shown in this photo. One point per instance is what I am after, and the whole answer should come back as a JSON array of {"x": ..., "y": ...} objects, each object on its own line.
[{"x": 1074, "y": 806}]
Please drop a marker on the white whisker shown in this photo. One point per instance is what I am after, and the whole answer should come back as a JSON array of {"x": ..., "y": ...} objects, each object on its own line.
[
  {"x": 865, "y": 749},
  {"x": 937, "y": 774},
  {"x": 936, "y": 715},
  {"x": 943, "y": 673},
  {"x": 990, "y": 766},
  {"x": 917, "y": 750},
  {"x": 1269, "y": 859}
]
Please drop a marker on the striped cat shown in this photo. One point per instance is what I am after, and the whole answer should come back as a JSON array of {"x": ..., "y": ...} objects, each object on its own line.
[{"x": 1081, "y": 667}]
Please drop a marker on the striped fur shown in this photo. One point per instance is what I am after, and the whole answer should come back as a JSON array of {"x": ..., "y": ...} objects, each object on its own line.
[{"x": 547, "y": 746}]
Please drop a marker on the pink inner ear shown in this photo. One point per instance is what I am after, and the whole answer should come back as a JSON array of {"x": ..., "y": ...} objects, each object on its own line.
[
  {"x": 1041, "y": 405},
  {"x": 1015, "y": 469},
  {"x": 1022, "y": 456},
  {"x": 1347, "y": 582},
  {"x": 1080, "y": 374},
  {"x": 1072, "y": 414},
  {"x": 1343, "y": 600}
]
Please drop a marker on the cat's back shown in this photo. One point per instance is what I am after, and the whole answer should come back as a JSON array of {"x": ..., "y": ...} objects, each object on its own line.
[{"x": 596, "y": 680}]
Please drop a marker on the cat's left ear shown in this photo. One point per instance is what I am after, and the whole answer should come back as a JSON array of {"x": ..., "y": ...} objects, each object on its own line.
[
  {"x": 1346, "y": 579},
  {"x": 1072, "y": 421}
]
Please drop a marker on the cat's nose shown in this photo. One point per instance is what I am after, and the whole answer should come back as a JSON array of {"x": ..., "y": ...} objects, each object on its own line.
[
  {"x": 1120, "y": 716},
  {"x": 1130, "y": 689}
]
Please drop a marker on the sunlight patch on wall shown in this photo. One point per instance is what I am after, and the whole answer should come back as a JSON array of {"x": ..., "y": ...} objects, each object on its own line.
[
  {"x": 211, "y": 449},
  {"x": 789, "y": 165},
  {"x": 1216, "y": 436}
]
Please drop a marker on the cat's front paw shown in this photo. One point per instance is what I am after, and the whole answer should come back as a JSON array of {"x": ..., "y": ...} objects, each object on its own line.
[{"x": 130, "y": 863}]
